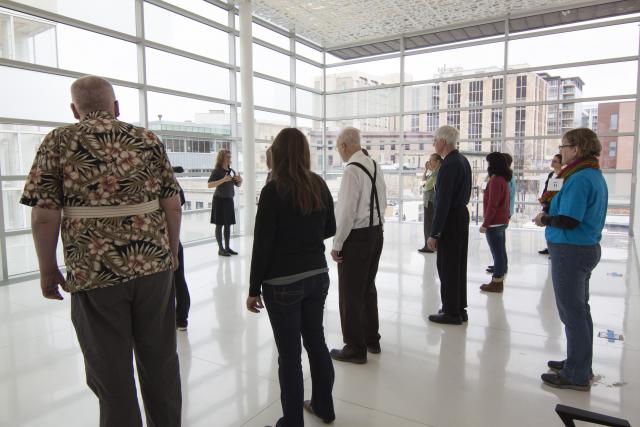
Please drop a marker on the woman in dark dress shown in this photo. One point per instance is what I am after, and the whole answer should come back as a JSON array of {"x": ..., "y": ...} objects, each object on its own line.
[{"x": 223, "y": 179}]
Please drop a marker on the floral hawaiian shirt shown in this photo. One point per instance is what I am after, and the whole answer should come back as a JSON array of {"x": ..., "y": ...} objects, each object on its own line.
[{"x": 101, "y": 161}]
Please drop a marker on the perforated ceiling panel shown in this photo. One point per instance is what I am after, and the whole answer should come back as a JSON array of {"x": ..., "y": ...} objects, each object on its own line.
[{"x": 356, "y": 28}]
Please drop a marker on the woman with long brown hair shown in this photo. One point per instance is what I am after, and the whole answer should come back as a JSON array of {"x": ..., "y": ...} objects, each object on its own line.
[
  {"x": 295, "y": 215},
  {"x": 223, "y": 215}
]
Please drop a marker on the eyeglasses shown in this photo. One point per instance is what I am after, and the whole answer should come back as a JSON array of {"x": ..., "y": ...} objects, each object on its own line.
[{"x": 560, "y": 147}]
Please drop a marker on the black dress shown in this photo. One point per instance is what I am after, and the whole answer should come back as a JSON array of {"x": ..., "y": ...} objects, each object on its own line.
[{"x": 222, "y": 210}]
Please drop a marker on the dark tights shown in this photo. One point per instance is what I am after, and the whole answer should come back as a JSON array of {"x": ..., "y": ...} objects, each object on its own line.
[{"x": 227, "y": 236}]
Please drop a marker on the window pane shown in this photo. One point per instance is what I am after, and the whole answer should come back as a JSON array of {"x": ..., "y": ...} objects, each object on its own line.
[
  {"x": 606, "y": 42},
  {"x": 16, "y": 216},
  {"x": 271, "y": 95},
  {"x": 21, "y": 254},
  {"x": 379, "y": 101},
  {"x": 183, "y": 33},
  {"x": 308, "y": 103},
  {"x": 203, "y": 9},
  {"x": 200, "y": 115},
  {"x": 18, "y": 146},
  {"x": 117, "y": 15},
  {"x": 167, "y": 70},
  {"x": 269, "y": 36},
  {"x": 387, "y": 71},
  {"x": 268, "y": 61},
  {"x": 309, "y": 52},
  {"x": 454, "y": 62},
  {"x": 308, "y": 75},
  {"x": 26, "y": 89}
]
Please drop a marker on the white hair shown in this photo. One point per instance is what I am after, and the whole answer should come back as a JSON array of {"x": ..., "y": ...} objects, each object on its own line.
[
  {"x": 449, "y": 134},
  {"x": 92, "y": 93},
  {"x": 350, "y": 136}
]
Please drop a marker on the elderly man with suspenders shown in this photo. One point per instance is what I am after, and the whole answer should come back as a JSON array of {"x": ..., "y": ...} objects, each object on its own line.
[
  {"x": 109, "y": 186},
  {"x": 357, "y": 247}
]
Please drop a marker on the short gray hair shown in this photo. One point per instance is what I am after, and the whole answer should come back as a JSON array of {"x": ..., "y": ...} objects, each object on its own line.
[
  {"x": 449, "y": 134},
  {"x": 92, "y": 93},
  {"x": 350, "y": 136}
]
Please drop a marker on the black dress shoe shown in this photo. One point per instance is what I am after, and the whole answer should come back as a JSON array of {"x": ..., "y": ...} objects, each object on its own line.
[
  {"x": 222, "y": 252},
  {"x": 347, "y": 355},
  {"x": 425, "y": 250},
  {"x": 448, "y": 319},
  {"x": 556, "y": 381},
  {"x": 231, "y": 251},
  {"x": 464, "y": 315},
  {"x": 374, "y": 348},
  {"x": 307, "y": 406},
  {"x": 545, "y": 251}
]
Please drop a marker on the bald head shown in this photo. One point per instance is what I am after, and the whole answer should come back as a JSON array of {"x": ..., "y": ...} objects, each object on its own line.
[{"x": 92, "y": 93}]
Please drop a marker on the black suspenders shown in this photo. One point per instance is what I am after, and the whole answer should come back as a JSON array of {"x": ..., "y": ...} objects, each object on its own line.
[{"x": 374, "y": 190}]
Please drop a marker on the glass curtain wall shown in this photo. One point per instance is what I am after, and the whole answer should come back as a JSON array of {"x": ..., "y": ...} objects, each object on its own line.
[{"x": 175, "y": 68}]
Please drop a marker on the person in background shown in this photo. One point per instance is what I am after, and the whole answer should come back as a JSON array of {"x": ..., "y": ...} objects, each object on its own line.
[
  {"x": 450, "y": 229},
  {"x": 512, "y": 198},
  {"x": 295, "y": 215},
  {"x": 108, "y": 187},
  {"x": 223, "y": 179},
  {"x": 183, "y": 299},
  {"x": 428, "y": 192},
  {"x": 357, "y": 247},
  {"x": 545, "y": 198},
  {"x": 573, "y": 231},
  {"x": 495, "y": 204},
  {"x": 269, "y": 159}
]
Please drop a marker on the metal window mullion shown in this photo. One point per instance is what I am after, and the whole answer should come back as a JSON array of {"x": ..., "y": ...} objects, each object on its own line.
[
  {"x": 3, "y": 236},
  {"x": 362, "y": 116},
  {"x": 365, "y": 89},
  {"x": 401, "y": 139},
  {"x": 143, "y": 105},
  {"x": 40, "y": 123},
  {"x": 233, "y": 80},
  {"x": 577, "y": 27},
  {"x": 293, "y": 105},
  {"x": 186, "y": 54},
  {"x": 190, "y": 15},
  {"x": 191, "y": 95},
  {"x": 505, "y": 66},
  {"x": 324, "y": 114},
  {"x": 365, "y": 59},
  {"x": 634, "y": 174},
  {"x": 472, "y": 43}
]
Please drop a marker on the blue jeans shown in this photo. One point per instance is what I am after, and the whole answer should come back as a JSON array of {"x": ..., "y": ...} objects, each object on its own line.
[
  {"x": 571, "y": 267},
  {"x": 297, "y": 309},
  {"x": 498, "y": 246}
]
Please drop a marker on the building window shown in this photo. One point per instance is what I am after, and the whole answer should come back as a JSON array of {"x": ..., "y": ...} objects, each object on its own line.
[
  {"x": 421, "y": 147},
  {"x": 453, "y": 119},
  {"x": 407, "y": 146},
  {"x": 330, "y": 160},
  {"x": 209, "y": 205},
  {"x": 433, "y": 121},
  {"x": 415, "y": 123},
  {"x": 496, "y": 129},
  {"x": 199, "y": 205},
  {"x": 453, "y": 95},
  {"x": 613, "y": 123},
  {"x": 518, "y": 157},
  {"x": 393, "y": 158},
  {"x": 187, "y": 205},
  {"x": 613, "y": 149},
  {"x": 497, "y": 90},
  {"x": 521, "y": 88},
  {"x": 393, "y": 147},
  {"x": 475, "y": 93},
  {"x": 367, "y": 147},
  {"x": 475, "y": 129}
]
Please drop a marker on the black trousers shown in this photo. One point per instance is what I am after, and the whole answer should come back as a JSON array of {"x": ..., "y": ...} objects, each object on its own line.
[
  {"x": 358, "y": 297},
  {"x": 183, "y": 300},
  {"x": 295, "y": 310},
  {"x": 451, "y": 261},
  {"x": 113, "y": 324},
  {"x": 428, "y": 221}
]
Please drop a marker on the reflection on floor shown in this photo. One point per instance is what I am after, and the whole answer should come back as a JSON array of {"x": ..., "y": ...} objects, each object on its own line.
[{"x": 483, "y": 374}]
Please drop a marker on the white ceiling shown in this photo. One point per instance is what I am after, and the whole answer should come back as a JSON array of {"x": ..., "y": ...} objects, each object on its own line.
[{"x": 335, "y": 23}]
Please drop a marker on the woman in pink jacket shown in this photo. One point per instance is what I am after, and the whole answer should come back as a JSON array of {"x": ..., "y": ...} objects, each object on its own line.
[{"x": 496, "y": 218}]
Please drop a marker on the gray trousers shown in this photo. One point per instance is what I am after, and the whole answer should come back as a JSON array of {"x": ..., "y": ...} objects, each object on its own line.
[{"x": 114, "y": 323}]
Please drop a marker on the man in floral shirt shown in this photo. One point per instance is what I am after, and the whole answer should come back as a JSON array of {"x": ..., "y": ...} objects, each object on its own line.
[{"x": 109, "y": 187}]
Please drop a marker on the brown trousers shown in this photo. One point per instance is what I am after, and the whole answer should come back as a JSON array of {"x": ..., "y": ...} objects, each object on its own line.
[
  {"x": 357, "y": 288},
  {"x": 114, "y": 323}
]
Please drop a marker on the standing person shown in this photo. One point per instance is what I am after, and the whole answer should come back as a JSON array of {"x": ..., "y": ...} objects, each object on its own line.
[
  {"x": 428, "y": 192},
  {"x": 223, "y": 215},
  {"x": 183, "y": 299},
  {"x": 450, "y": 229},
  {"x": 357, "y": 248},
  {"x": 512, "y": 199},
  {"x": 120, "y": 229},
  {"x": 574, "y": 226},
  {"x": 295, "y": 215},
  {"x": 495, "y": 205},
  {"x": 547, "y": 196}
]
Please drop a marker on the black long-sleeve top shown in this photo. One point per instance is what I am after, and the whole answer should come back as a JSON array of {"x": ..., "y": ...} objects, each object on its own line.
[
  {"x": 453, "y": 189},
  {"x": 285, "y": 241}
]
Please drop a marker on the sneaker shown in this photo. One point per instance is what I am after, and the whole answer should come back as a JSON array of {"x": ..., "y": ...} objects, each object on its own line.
[
  {"x": 556, "y": 381},
  {"x": 545, "y": 251},
  {"x": 557, "y": 365}
]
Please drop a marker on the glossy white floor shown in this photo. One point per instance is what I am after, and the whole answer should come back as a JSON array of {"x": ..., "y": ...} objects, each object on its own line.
[{"x": 483, "y": 374}]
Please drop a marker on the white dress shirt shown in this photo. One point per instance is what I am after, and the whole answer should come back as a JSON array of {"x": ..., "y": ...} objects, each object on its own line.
[{"x": 352, "y": 209}]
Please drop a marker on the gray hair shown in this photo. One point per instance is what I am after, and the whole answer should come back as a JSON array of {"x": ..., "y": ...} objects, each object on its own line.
[
  {"x": 350, "y": 136},
  {"x": 449, "y": 134},
  {"x": 92, "y": 93}
]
